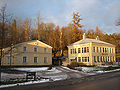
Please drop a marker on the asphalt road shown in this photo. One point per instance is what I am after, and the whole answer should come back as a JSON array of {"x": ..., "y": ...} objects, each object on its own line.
[
  {"x": 100, "y": 84},
  {"x": 107, "y": 81}
]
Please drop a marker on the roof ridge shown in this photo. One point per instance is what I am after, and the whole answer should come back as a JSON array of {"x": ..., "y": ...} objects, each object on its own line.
[{"x": 89, "y": 40}]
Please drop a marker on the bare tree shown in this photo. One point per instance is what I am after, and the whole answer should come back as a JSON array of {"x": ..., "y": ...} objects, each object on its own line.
[{"x": 4, "y": 19}]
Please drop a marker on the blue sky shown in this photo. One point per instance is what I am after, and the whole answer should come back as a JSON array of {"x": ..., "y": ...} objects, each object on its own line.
[{"x": 102, "y": 13}]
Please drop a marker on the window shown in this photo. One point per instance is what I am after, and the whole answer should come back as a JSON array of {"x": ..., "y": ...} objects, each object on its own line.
[
  {"x": 75, "y": 59},
  {"x": 24, "y": 48},
  {"x": 87, "y": 49},
  {"x": 13, "y": 60},
  {"x": 35, "y": 59},
  {"x": 84, "y": 49},
  {"x": 45, "y": 60},
  {"x": 97, "y": 58},
  {"x": 101, "y": 58},
  {"x": 35, "y": 49},
  {"x": 79, "y": 59},
  {"x": 24, "y": 59},
  {"x": 93, "y": 49},
  {"x": 88, "y": 59},
  {"x": 97, "y": 49},
  {"x": 71, "y": 51},
  {"x": 78, "y": 50},
  {"x": 45, "y": 50},
  {"x": 82, "y": 59},
  {"x": 110, "y": 50},
  {"x": 94, "y": 58},
  {"x": 100, "y": 49},
  {"x": 103, "y": 50},
  {"x": 75, "y": 51},
  {"x": 85, "y": 59},
  {"x": 107, "y": 49},
  {"x": 8, "y": 60},
  {"x": 108, "y": 58}
]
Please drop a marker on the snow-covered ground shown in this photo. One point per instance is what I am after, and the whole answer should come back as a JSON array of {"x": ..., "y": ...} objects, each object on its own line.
[
  {"x": 26, "y": 83},
  {"x": 55, "y": 74},
  {"x": 95, "y": 70},
  {"x": 31, "y": 69},
  {"x": 49, "y": 75}
]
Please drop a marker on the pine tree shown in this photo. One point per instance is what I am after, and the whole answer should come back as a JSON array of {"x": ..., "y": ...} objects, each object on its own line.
[{"x": 76, "y": 27}]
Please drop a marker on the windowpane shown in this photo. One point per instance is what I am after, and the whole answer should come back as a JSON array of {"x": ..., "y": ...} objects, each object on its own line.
[
  {"x": 78, "y": 50},
  {"x": 94, "y": 58},
  {"x": 35, "y": 49},
  {"x": 35, "y": 59},
  {"x": 45, "y": 60},
  {"x": 97, "y": 49},
  {"x": 79, "y": 59},
  {"x": 101, "y": 58},
  {"x": 45, "y": 50},
  {"x": 110, "y": 50},
  {"x": 82, "y": 59},
  {"x": 71, "y": 51},
  {"x": 97, "y": 58},
  {"x": 13, "y": 60},
  {"x": 85, "y": 59},
  {"x": 24, "y": 48},
  {"x": 103, "y": 50},
  {"x": 100, "y": 49},
  {"x": 84, "y": 49},
  {"x": 24, "y": 59},
  {"x": 87, "y": 49},
  {"x": 108, "y": 58},
  {"x": 93, "y": 49},
  {"x": 88, "y": 59}
]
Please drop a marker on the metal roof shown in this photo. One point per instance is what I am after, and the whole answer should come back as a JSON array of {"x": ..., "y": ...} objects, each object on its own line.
[{"x": 93, "y": 41}]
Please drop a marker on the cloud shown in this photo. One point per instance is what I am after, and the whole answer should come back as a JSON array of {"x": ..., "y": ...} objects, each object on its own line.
[{"x": 102, "y": 13}]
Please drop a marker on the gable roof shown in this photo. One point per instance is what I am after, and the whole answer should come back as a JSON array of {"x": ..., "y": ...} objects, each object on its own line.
[
  {"x": 93, "y": 41},
  {"x": 33, "y": 41}
]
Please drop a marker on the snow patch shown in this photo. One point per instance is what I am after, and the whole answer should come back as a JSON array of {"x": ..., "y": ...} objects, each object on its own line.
[{"x": 32, "y": 69}]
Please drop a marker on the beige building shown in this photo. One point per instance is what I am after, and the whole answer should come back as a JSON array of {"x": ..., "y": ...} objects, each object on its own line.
[
  {"x": 29, "y": 53},
  {"x": 91, "y": 52}
]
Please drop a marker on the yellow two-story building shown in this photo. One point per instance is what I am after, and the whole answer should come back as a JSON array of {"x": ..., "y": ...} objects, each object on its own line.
[
  {"x": 91, "y": 52},
  {"x": 29, "y": 53}
]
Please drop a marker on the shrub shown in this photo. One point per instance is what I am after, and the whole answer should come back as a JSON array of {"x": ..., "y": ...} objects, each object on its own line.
[{"x": 75, "y": 64}]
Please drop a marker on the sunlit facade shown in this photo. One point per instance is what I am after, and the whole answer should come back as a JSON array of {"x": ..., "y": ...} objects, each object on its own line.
[
  {"x": 91, "y": 52},
  {"x": 29, "y": 53}
]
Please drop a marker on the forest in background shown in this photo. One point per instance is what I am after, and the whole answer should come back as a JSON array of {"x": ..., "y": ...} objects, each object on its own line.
[{"x": 16, "y": 30}]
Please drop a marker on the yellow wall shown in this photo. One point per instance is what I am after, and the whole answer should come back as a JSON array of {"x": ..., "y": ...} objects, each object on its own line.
[
  {"x": 91, "y": 54},
  {"x": 18, "y": 53}
]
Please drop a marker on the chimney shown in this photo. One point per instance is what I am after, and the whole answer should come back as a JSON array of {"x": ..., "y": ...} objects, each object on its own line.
[
  {"x": 84, "y": 37},
  {"x": 97, "y": 38}
]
